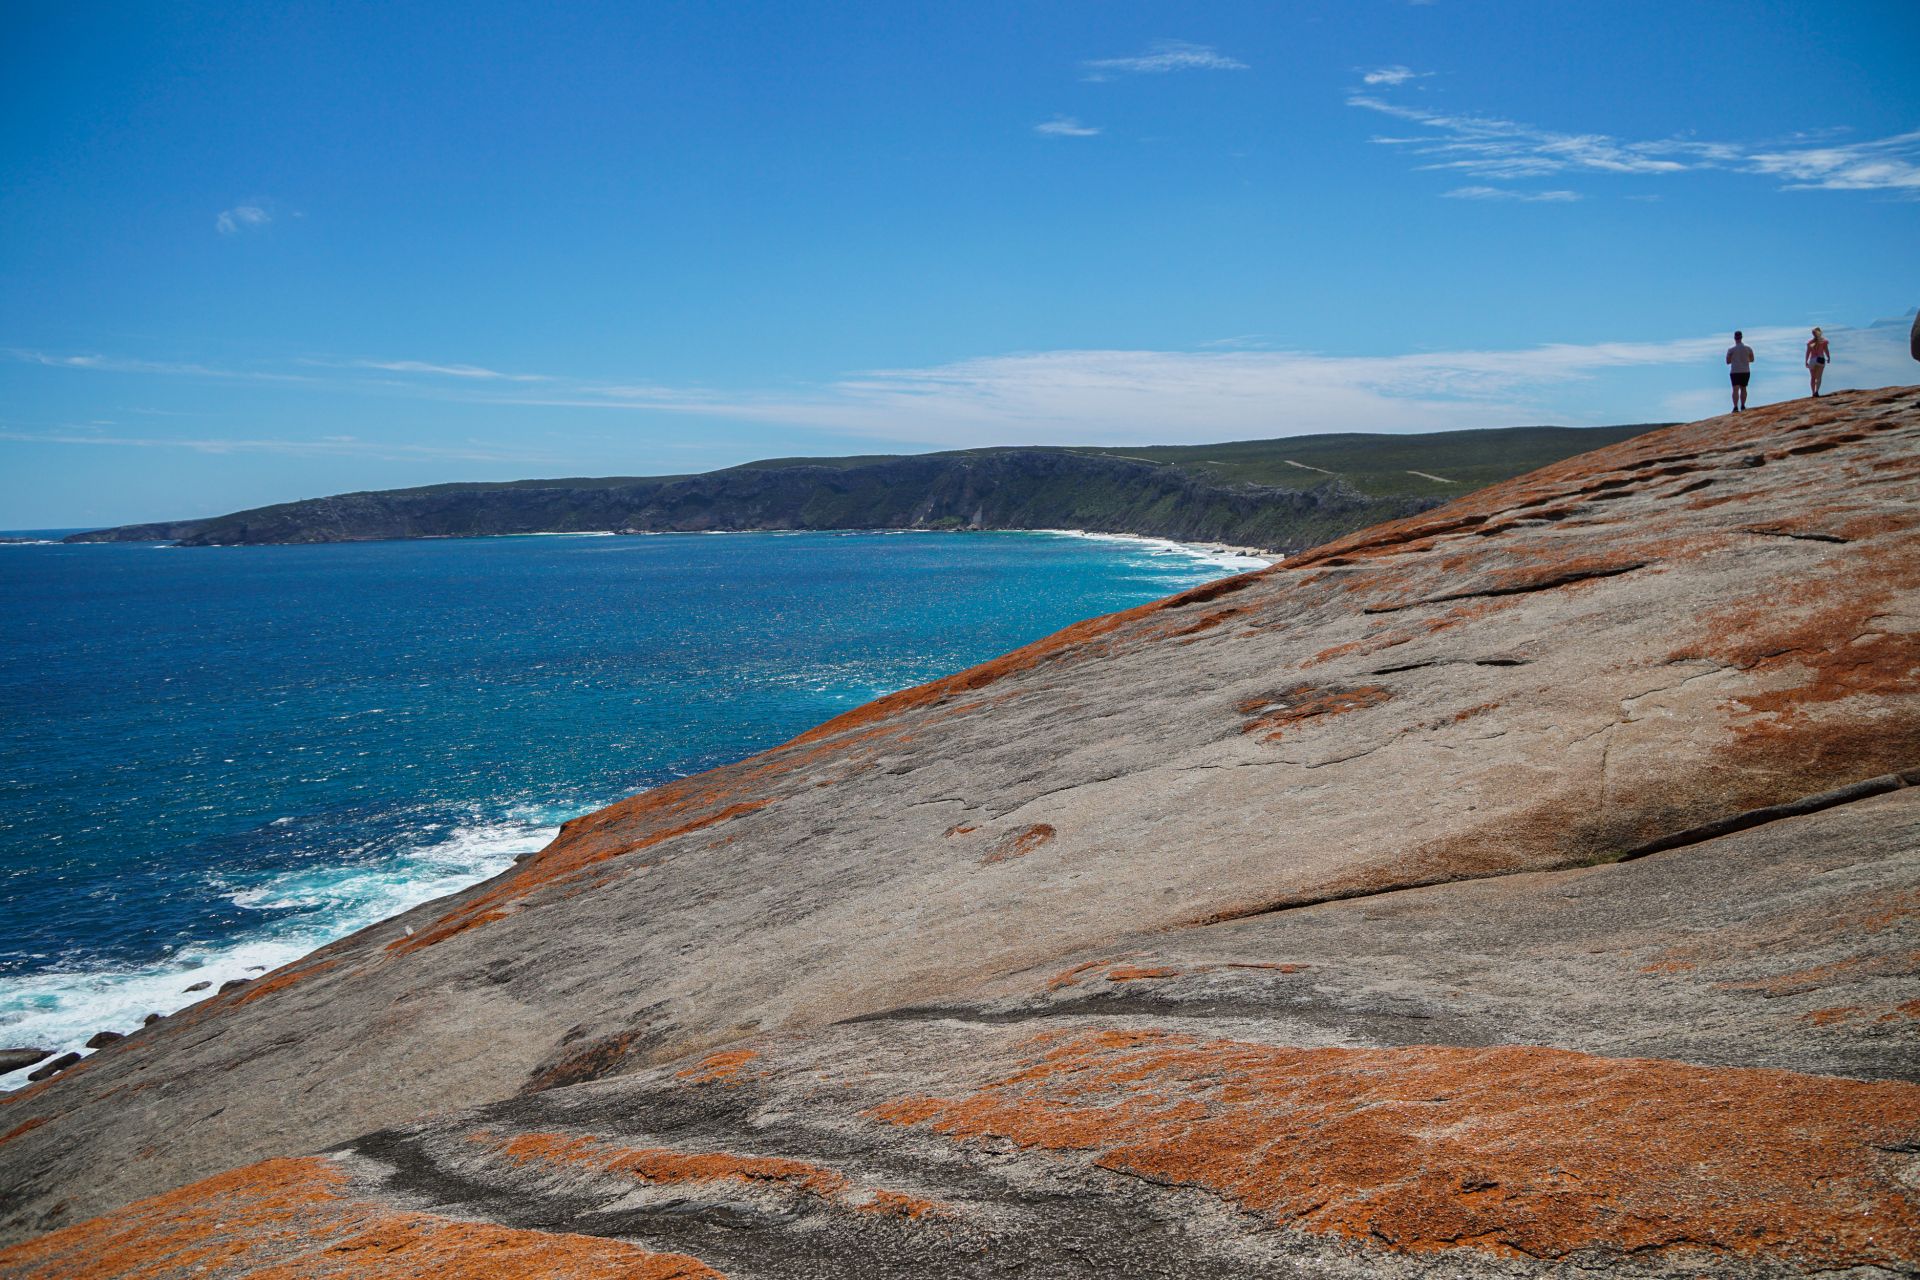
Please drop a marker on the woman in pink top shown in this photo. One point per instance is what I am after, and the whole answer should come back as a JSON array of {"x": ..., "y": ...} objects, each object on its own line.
[{"x": 1817, "y": 357}]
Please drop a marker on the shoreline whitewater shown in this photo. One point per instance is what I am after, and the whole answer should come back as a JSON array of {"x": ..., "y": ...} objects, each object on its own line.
[
  {"x": 1198, "y": 549},
  {"x": 59, "y": 1008}
]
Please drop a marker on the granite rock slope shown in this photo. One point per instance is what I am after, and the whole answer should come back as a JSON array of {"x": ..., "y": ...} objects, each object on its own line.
[{"x": 1526, "y": 887}]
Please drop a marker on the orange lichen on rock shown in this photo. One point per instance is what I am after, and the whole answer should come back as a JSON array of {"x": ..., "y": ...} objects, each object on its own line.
[
  {"x": 594, "y": 1061},
  {"x": 297, "y": 1220},
  {"x": 1543, "y": 570},
  {"x": 1019, "y": 843},
  {"x": 563, "y": 859},
  {"x": 25, "y": 1126},
  {"x": 1515, "y": 1151},
  {"x": 893, "y": 1204},
  {"x": 1208, "y": 621},
  {"x": 1832, "y": 630},
  {"x": 663, "y": 1167},
  {"x": 660, "y": 1165},
  {"x": 1902, "y": 904},
  {"x": 1851, "y": 969},
  {"x": 280, "y": 981},
  {"x": 1273, "y": 714},
  {"x": 1136, "y": 973},
  {"x": 1829, "y": 1017},
  {"x": 1071, "y": 977},
  {"x": 723, "y": 1067}
]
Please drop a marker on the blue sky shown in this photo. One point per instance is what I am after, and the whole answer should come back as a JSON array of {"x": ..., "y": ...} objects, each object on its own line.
[{"x": 257, "y": 252}]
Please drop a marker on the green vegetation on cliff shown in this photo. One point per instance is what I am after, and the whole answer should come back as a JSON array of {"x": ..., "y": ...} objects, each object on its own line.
[{"x": 1282, "y": 495}]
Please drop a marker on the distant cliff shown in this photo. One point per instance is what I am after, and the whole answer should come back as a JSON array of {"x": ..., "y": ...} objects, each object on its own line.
[{"x": 1257, "y": 494}]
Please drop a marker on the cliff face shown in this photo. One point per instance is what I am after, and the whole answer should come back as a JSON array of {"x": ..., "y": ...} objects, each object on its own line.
[
  {"x": 1530, "y": 883},
  {"x": 1180, "y": 497}
]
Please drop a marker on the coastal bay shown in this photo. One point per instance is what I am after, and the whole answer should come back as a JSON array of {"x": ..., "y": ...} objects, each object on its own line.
[{"x": 220, "y": 760}]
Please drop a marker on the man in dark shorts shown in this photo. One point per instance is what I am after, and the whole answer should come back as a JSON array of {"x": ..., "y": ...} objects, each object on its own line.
[{"x": 1740, "y": 365}]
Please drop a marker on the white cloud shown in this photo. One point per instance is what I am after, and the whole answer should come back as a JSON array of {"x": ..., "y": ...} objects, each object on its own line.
[
  {"x": 327, "y": 446},
  {"x": 1161, "y": 57},
  {"x": 1491, "y": 147},
  {"x": 1146, "y": 396},
  {"x": 1487, "y": 146},
  {"x": 1510, "y": 193},
  {"x": 244, "y": 217},
  {"x": 1395, "y": 75},
  {"x": 445, "y": 370},
  {"x": 120, "y": 364},
  {"x": 1889, "y": 164},
  {"x": 1065, "y": 127},
  {"x": 1123, "y": 397}
]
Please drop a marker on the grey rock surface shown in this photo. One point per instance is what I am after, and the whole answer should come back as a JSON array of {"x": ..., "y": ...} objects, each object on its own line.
[{"x": 1525, "y": 887}]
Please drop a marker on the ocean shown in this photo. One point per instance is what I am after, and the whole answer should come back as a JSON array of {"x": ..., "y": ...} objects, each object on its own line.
[{"x": 214, "y": 760}]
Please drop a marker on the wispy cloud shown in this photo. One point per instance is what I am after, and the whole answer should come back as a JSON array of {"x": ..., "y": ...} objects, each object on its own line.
[
  {"x": 1888, "y": 164},
  {"x": 122, "y": 364},
  {"x": 1148, "y": 396},
  {"x": 326, "y": 446},
  {"x": 1228, "y": 390},
  {"x": 1488, "y": 146},
  {"x": 1162, "y": 57},
  {"x": 242, "y": 217},
  {"x": 1493, "y": 147},
  {"x": 1065, "y": 127},
  {"x": 1395, "y": 75},
  {"x": 473, "y": 371},
  {"x": 1511, "y": 193}
]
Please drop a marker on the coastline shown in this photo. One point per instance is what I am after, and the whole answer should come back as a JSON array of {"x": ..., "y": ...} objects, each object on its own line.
[{"x": 61, "y": 1007}]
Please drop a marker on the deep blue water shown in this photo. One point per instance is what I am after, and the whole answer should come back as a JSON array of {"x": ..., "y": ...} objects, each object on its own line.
[{"x": 213, "y": 760}]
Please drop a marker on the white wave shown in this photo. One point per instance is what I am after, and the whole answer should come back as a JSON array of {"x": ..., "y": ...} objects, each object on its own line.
[
  {"x": 60, "y": 1009},
  {"x": 1233, "y": 559}
]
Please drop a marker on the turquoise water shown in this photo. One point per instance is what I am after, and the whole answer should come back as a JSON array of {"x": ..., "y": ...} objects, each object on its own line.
[{"x": 214, "y": 760}]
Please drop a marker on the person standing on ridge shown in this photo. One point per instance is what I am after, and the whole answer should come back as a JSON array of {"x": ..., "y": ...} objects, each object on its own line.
[
  {"x": 1740, "y": 365},
  {"x": 1818, "y": 354}
]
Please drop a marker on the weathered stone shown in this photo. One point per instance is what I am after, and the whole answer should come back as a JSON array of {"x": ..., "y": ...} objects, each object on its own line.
[
  {"x": 201, "y": 985},
  {"x": 101, "y": 1039},
  {"x": 53, "y": 1068},
  {"x": 1527, "y": 886},
  {"x": 14, "y": 1059}
]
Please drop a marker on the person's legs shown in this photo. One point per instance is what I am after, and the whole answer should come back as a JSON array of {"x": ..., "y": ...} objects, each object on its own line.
[
  {"x": 1815, "y": 372},
  {"x": 1735, "y": 379}
]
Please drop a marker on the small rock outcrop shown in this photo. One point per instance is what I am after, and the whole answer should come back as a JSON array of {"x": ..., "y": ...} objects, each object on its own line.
[
  {"x": 1529, "y": 887},
  {"x": 53, "y": 1068},
  {"x": 13, "y": 1059}
]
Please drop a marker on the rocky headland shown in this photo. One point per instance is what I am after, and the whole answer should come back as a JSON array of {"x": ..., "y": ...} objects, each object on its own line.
[
  {"x": 1256, "y": 494},
  {"x": 1525, "y": 887}
]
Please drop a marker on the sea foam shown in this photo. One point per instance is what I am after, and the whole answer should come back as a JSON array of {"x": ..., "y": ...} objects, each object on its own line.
[{"x": 61, "y": 1008}]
